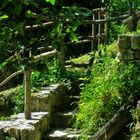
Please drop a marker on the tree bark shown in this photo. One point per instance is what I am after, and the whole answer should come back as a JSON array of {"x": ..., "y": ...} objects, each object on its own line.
[
  {"x": 27, "y": 84},
  {"x": 10, "y": 77},
  {"x": 61, "y": 55},
  {"x": 114, "y": 125}
]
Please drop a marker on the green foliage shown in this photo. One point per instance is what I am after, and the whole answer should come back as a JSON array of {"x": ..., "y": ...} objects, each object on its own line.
[
  {"x": 47, "y": 75},
  {"x": 51, "y": 1},
  {"x": 10, "y": 138},
  {"x": 18, "y": 100},
  {"x": 138, "y": 25},
  {"x": 117, "y": 7},
  {"x": 82, "y": 59},
  {"x": 15, "y": 98},
  {"x": 111, "y": 85},
  {"x": 51, "y": 74},
  {"x": 115, "y": 30}
]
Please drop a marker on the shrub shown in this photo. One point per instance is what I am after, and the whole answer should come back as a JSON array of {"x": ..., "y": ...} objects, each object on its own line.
[{"x": 111, "y": 85}]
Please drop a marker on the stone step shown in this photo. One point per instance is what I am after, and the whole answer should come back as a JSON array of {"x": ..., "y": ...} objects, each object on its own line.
[
  {"x": 70, "y": 102},
  {"x": 22, "y": 129},
  {"x": 63, "y": 134},
  {"x": 63, "y": 119}
]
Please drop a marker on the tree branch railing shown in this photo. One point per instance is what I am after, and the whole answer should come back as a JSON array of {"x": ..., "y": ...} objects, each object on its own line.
[
  {"x": 35, "y": 59},
  {"x": 27, "y": 72},
  {"x": 10, "y": 77},
  {"x": 88, "y": 22}
]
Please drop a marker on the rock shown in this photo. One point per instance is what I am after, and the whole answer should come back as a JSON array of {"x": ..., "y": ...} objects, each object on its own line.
[
  {"x": 22, "y": 129},
  {"x": 135, "y": 42},
  {"x": 124, "y": 43}
]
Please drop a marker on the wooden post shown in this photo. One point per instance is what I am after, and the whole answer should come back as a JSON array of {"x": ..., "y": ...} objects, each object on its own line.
[
  {"x": 93, "y": 33},
  {"x": 27, "y": 84},
  {"x": 99, "y": 27},
  {"x": 105, "y": 27},
  {"x": 61, "y": 55}
]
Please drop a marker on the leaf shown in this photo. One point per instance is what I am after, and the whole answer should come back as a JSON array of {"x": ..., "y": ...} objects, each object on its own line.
[
  {"x": 51, "y": 1},
  {"x": 29, "y": 13},
  {"x": 4, "y": 16},
  {"x": 74, "y": 26},
  {"x": 3, "y": 64},
  {"x": 73, "y": 37}
]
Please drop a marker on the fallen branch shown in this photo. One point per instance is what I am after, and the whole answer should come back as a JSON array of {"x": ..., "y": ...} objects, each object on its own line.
[{"x": 114, "y": 125}]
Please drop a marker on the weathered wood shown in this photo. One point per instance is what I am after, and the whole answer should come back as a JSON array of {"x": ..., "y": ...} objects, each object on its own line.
[
  {"x": 79, "y": 42},
  {"x": 93, "y": 33},
  {"x": 61, "y": 55},
  {"x": 10, "y": 77},
  {"x": 131, "y": 21},
  {"x": 44, "y": 55},
  {"x": 114, "y": 125},
  {"x": 100, "y": 9},
  {"x": 106, "y": 28},
  {"x": 35, "y": 59},
  {"x": 33, "y": 27},
  {"x": 27, "y": 84},
  {"x": 45, "y": 24},
  {"x": 99, "y": 27},
  {"x": 102, "y": 21}
]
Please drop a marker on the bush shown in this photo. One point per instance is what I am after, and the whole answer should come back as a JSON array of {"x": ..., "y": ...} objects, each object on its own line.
[
  {"x": 48, "y": 73},
  {"x": 111, "y": 85}
]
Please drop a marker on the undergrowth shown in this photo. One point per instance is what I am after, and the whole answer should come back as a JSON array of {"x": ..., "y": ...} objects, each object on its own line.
[{"x": 112, "y": 84}]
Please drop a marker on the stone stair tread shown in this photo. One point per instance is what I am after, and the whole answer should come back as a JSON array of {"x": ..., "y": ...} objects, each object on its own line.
[
  {"x": 64, "y": 134},
  {"x": 67, "y": 113},
  {"x": 63, "y": 119}
]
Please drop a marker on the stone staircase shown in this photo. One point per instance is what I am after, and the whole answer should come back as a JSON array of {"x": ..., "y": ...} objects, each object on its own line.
[
  {"x": 62, "y": 121},
  {"x": 53, "y": 113}
]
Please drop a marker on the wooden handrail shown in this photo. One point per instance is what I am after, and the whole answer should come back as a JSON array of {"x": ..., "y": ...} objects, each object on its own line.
[
  {"x": 102, "y": 21},
  {"x": 45, "y": 24},
  {"x": 10, "y": 77},
  {"x": 35, "y": 59}
]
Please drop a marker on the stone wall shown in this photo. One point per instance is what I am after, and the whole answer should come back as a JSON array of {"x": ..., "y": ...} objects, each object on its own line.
[
  {"x": 129, "y": 48},
  {"x": 43, "y": 105},
  {"x": 129, "y": 52}
]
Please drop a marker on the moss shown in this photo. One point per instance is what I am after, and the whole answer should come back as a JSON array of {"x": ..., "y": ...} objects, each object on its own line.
[{"x": 82, "y": 60}]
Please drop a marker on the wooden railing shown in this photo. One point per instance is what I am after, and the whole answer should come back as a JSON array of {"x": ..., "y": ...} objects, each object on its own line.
[{"x": 100, "y": 20}]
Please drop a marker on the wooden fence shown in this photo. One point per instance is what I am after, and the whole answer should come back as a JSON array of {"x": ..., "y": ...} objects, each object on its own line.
[{"x": 99, "y": 33}]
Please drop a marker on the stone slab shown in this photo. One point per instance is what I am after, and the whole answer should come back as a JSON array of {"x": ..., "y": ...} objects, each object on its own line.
[{"x": 22, "y": 129}]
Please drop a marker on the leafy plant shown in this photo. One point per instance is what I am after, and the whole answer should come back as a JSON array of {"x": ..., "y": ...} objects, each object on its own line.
[
  {"x": 47, "y": 75},
  {"x": 111, "y": 85}
]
